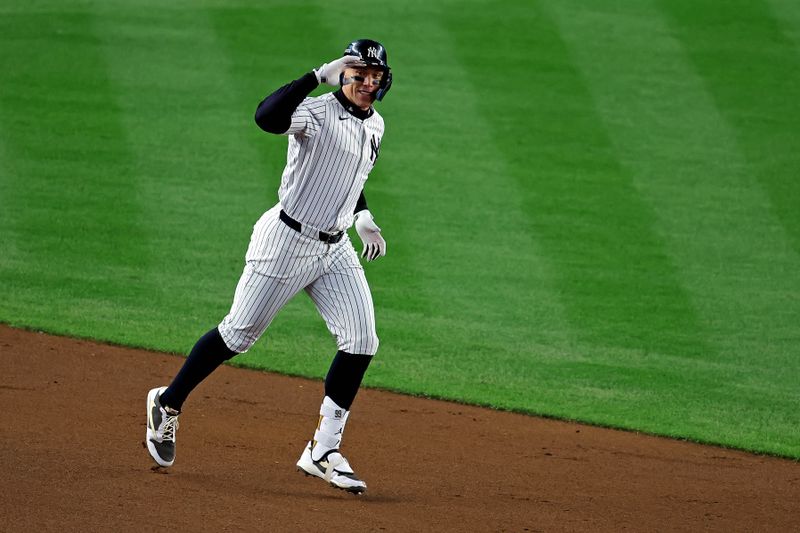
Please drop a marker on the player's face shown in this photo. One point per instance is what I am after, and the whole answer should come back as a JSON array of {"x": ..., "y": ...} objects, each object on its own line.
[{"x": 364, "y": 85}]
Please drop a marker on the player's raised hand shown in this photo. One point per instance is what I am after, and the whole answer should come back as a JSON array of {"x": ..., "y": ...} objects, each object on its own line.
[
  {"x": 331, "y": 73},
  {"x": 370, "y": 234}
]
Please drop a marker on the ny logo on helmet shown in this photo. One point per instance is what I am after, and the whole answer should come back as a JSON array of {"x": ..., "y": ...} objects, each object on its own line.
[{"x": 372, "y": 52}]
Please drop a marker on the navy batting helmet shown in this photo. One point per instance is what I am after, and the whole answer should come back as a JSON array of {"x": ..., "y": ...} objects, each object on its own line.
[{"x": 374, "y": 55}]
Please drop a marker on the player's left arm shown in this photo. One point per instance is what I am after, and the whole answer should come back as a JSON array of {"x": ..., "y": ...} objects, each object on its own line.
[{"x": 368, "y": 231}]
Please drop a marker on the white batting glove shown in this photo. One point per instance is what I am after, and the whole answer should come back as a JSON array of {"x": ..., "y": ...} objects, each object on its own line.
[
  {"x": 330, "y": 73},
  {"x": 370, "y": 233}
]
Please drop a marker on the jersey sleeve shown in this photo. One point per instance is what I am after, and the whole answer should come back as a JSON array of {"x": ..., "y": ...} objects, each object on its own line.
[
  {"x": 307, "y": 119},
  {"x": 276, "y": 112}
]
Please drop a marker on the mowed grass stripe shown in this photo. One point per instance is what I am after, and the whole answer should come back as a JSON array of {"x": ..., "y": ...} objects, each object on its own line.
[
  {"x": 638, "y": 330},
  {"x": 7, "y": 177},
  {"x": 68, "y": 163},
  {"x": 752, "y": 72},
  {"x": 787, "y": 16},
  {"x": 494, "y": 330},
  {"x": 758, "y": 104},
  {"x": 615, "y": 278},
  {"x": 199, "y": 176},
  {"x": 731, "y": 252}
]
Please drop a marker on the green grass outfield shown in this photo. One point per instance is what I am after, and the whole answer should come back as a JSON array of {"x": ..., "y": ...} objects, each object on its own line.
[{"x": 592, "y": 208}]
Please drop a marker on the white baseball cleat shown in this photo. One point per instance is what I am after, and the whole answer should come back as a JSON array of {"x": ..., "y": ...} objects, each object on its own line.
[{"x": 333, "y": 468}]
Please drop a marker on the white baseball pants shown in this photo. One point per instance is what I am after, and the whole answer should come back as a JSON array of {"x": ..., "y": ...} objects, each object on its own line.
[{"x": 279, "y": 263}]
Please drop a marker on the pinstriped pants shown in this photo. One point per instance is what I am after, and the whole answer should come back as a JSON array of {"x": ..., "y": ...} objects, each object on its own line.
[{"x": 279, "y": 263}]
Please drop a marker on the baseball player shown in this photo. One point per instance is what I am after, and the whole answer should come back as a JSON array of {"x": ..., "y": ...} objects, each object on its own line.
[{"x": 301, "y": 244}]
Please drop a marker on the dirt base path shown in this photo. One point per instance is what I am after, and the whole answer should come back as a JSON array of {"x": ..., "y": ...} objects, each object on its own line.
[{"x": 73, "y": 459}]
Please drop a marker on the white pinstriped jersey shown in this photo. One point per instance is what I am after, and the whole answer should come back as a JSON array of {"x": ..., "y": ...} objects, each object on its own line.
[{"x": 329, "y": 158}]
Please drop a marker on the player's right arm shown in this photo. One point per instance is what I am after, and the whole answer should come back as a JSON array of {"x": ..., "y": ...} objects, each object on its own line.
[
  {"x": 275, "y": 113},
  {"x": 282, "y": 112}
]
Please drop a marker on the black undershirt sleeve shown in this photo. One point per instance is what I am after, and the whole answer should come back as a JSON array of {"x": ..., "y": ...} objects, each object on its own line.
[
  {"x": 361, "y": 203},
  {"x": 274, "y": 113}
]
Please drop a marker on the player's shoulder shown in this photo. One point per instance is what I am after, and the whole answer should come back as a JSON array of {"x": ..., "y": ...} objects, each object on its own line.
[
  {"x": 316, "y": 101},
  {"x": 325, "y": 98},
  {"x": 376, "y": 118}
]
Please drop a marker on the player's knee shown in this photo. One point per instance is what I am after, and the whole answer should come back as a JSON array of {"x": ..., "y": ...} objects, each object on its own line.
[
  {"x": 237, "y": 340},
  {"x": 371, "y": 345},
  {"x": 240, "y": 343},
  {"x": 365, "y": 343}
]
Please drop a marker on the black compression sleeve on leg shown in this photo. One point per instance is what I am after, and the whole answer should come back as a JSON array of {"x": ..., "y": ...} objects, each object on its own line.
[
  {"x": 209, "y": 352},
  {"x": 344, "y": 377}
]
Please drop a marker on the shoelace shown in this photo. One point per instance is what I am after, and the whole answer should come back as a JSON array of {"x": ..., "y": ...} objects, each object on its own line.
[{"x": 168, "y": 426}]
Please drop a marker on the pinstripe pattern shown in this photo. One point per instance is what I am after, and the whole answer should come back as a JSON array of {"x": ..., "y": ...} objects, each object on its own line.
[
  {"x": 279, "y": 263},
  {"x": 327, "y": 162},
  {"x": 343, "y": 299}
]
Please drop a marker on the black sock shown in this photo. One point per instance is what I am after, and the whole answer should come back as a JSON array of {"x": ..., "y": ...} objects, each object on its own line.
[
  {"x": 209, "y": 352},
  {"x": 344, "y": 377}
]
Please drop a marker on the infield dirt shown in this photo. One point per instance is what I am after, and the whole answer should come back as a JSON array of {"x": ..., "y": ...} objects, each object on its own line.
[{"x": 73, "y": 459}]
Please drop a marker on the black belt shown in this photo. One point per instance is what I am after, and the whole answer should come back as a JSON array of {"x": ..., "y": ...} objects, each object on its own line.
[{"x": 329, "y": 238}]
